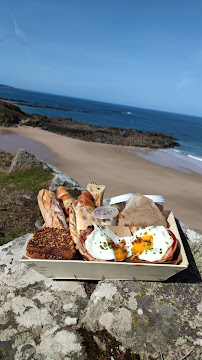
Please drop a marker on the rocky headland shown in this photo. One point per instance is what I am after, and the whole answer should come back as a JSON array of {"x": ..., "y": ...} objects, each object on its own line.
[{"x": 11, "y": 115}]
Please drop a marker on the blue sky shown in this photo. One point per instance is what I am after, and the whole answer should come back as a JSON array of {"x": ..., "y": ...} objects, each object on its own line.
[{"x": 145, "y": 53}]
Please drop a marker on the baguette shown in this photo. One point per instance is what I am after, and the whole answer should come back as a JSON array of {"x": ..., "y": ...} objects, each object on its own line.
[{"x": 51, "y": 210}]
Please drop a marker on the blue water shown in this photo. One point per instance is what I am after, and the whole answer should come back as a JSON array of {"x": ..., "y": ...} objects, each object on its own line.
[{"x": 187, "y": 129}]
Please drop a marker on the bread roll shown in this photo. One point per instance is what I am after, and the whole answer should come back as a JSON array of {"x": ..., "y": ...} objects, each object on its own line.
[
  {"x": 97, "y": 192},
  {"x": 51, "y": 210},
  {"x": 86, "y": 200}
]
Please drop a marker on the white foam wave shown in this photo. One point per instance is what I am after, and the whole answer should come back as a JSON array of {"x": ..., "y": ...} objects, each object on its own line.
[
  {"x": 195, "y": 157},
  {"x": 128, "y": 112}
]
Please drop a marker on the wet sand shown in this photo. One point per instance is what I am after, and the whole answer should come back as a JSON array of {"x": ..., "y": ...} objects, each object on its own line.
[
  {"x": 12, "y": 142},
  {"x": 123, "y": 172}
]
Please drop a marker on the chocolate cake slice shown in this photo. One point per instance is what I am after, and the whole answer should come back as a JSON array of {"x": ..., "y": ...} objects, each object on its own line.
[{"x": 52, "y": 244}]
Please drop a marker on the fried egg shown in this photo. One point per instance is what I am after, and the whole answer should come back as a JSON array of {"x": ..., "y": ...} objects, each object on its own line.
[
  {"x": 149, "y": 243},
  {"x": 100, "y": 242}
]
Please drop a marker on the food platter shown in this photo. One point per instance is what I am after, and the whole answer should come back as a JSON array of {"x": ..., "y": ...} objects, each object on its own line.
[{"x": 96, "y": 270}]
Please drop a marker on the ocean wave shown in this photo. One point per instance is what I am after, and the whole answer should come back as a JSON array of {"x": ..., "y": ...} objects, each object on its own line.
[
  {"x": 128, "y": 112},
  {"x": 195, "y": 157},
  {"x": 183, "y": 153}
]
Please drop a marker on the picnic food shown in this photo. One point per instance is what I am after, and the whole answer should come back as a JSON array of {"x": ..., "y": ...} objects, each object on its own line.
[
  {"x": 65, "y": 199},
  {"x": 82, "y": 217},
  {"x": 86, "y": 200},
  {"x": 151, "y": 244},
  {"x": 51, "y": 210},
  {"x": 141, "y": 211},
  {"x": 97, "y": 192},
  {"x": 141, "y": 234},
  {"x": 51, "y": 243}
]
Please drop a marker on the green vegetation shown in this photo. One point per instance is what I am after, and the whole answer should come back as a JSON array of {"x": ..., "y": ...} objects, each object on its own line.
[
  {"x": 32, "y": 179},
  {"x": 5, "y": 160},
  {"x": 18, "y": 199}
]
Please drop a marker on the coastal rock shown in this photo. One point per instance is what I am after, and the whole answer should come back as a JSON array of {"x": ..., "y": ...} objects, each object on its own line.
[
  {"x": 34, "y": 310},
  {"x": 10, "y": 114},
  {"x": 43, "y": 318},
  {"x": 25, "y": 160}
]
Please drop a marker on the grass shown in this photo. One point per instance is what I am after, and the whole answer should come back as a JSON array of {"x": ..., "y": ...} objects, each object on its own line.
[
  {"x": 18, "y": 199},
  {"x": 32, "y": 179}
]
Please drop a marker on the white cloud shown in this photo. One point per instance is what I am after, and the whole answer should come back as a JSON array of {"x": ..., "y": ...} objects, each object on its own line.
[{"x": 19, "y": 32}]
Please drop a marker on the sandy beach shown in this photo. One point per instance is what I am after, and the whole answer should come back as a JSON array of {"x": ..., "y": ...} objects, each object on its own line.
[{"x": 121, "y": 172}]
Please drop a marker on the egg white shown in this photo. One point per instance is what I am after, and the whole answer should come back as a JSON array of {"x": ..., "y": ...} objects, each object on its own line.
[
  {"x": 95, "y": 243},
  {"x": 99, "y": 247},
  {"x": 162, "y": 241}
]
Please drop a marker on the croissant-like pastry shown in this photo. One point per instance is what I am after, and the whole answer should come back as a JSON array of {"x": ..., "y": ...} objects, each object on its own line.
[
  {"x": 65, "y": 199},
  {"x": 51, "y": 210},
  {"x": 86, "y": 200}
]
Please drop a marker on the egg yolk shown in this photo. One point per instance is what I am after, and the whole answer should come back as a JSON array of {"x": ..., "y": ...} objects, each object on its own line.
[
  {"x": 120, "y": 251},
  {"x": 142, "y": 243}
]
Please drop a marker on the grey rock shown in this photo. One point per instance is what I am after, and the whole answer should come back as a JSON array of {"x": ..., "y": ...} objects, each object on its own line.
[
  {"x": 39, "y": 315},
  {"x": 24, "y": 160},
  {"x": 35, "y": 311},
  {"x": 38, "y": 224}
]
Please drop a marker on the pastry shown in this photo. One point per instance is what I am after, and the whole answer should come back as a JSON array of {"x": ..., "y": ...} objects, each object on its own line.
[
  {"x": 65, "y": 199},
  {"x": 86, "y": 200}
]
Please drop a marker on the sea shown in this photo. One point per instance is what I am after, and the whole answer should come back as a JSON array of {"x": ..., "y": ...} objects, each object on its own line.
[{"x": 187, "y": 129}]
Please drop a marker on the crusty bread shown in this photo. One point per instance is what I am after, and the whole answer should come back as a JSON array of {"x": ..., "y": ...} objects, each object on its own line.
[
  {"x": 51, "y": 210},
  {"x": 86, "y": 200},
  {"x": 82, "y": 218},
  {"x": 97, "y": 192},
  {"x": 72, "y": 225},
  {"x": 141, "y": 211},
  {"x": 51, "y": 243}
]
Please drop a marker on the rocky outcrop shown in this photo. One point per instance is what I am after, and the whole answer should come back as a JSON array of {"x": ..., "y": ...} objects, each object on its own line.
[
  {"x": 10, "y": 114},
  {"x": 46, "y": 319}
]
